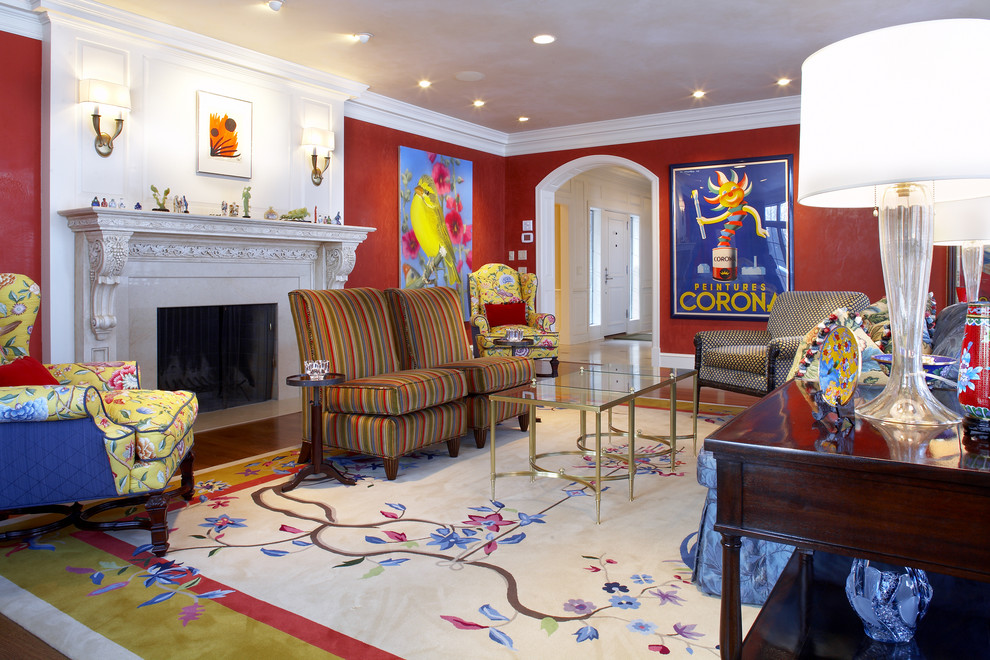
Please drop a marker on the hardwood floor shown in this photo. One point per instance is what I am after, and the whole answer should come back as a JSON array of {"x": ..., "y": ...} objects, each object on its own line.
[{"x": 237, "y": 442}]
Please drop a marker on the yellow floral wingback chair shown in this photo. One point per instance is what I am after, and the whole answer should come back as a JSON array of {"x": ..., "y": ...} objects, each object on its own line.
[
  {"x": 502, "y": 299},
  {"x": 72, "y": 433}
]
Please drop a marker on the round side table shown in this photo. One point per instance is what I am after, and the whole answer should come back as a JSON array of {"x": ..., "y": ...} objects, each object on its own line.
[{"x": 317, "y": 463}]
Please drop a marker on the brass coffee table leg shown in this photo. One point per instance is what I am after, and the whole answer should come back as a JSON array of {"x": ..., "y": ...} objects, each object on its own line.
[
  {"x": 631, "y": 460},
  {"x": 598, "y": 467}
]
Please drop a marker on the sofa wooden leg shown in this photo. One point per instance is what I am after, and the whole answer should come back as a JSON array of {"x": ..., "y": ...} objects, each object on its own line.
[
  {"x": 454, "y": 447},
  {"x": 480, "y": 437},
  {"x": 157, "y": 508},
  {"x": 186, "y": 472},
  {"x": 553, "y": 367},
  {"x": 524, "y": 421},
  {"x": 391, "y": 466}
]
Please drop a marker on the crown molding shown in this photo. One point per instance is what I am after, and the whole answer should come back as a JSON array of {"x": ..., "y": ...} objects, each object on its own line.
[
  {"x": 17, "y": 17},
  {"x": 401, "y": 116},
  {"x": 682, "y": 123},
  {"x": 138, "y": 27},
  {"x": 398, "y": 115}
]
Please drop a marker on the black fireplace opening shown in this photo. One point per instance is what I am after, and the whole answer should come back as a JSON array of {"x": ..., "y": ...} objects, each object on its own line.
[{"x": 226, "y": 354}]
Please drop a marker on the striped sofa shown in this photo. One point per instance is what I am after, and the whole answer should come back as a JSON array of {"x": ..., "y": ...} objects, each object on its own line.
[
  {"x": 380, "y": 409},
  {"x": 434, "y": 336}
]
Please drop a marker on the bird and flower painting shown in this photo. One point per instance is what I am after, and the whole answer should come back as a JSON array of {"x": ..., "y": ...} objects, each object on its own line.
[
  {"x": 224, "y": 135},
  {"x": 435, "y": 205}
]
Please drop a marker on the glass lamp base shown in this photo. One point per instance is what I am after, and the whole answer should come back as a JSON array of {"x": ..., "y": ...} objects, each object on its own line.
[{"x": 901, "y": 403}]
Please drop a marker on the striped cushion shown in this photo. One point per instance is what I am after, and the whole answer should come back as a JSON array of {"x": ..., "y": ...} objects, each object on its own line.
[
  {"x": 432, "y": 325},
  {"x": 390, "y": 437},
  {"x": 492, "y": 374},
  {"x": 352, "y": 328},
  {"x": 396, "y": 393},
  {"x": 478, "y": 411}
]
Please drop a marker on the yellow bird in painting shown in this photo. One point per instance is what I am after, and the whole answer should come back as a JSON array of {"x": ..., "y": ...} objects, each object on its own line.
[{"x": 431, "y": 230}]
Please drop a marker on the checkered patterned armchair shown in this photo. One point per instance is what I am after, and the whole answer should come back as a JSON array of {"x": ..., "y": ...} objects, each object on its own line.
[
  {"x": 380, "y": 409},
  {"x": 72, "y": 433},
  {"x": 497, "y": 287},
  {"x": 757, "y": 361},
  {"x": 432, "y": 326}
]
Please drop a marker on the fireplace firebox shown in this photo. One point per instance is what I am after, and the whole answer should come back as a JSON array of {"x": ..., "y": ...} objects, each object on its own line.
[{"x": 226, "y": 354}]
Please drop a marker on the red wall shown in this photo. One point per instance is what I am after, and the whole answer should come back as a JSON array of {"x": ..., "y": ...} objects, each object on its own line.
[
  {"x": 834, "y": 249},
  {"x": 371, "y": 198},
  {"x": 20, "y": 162}
]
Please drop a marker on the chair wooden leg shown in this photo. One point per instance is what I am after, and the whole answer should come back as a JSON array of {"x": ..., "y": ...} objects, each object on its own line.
[
  {"x": 553, "y": 367},
  {"x": 454, "y": 447},
  {"x": 524, "y": 421},
  {"x": 391, "y": 466},
  {"x": 157, "y": 507},
  {"x": 480, "y": 437},
  {"x": 186, "y": 471}
]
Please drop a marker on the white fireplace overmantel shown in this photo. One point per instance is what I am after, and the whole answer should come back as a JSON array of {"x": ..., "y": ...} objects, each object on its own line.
[{"x": 130, "y": 263}]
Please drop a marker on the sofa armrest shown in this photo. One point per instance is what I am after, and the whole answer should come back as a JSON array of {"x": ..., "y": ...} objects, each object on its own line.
[
  {"x": 544, "y": 321},
  {"x": 104, "y": 376},
  {"x": 42, "y": 403},
  {"x": 481, "y": 322}
]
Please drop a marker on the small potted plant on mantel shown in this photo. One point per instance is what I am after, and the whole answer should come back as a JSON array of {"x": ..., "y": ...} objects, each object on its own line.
[{"x": 160, "y": 199}]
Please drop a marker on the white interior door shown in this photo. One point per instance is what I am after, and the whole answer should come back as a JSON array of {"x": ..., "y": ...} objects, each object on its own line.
[{"x": 615, "y": 305}]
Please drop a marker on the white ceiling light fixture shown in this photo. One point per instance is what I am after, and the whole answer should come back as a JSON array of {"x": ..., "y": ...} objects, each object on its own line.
[
  {"x": 783, "y": 82},
  {"x": 544, "y": 39},
  {"x": 524, "y": 119},
  {"x": 363, "y": 37},
  {"x": 478, "y": 103},
  {"x": 698, "y": 93},
  {"x": 275, "y": 5},
  {"x": 424, "y": 83}
]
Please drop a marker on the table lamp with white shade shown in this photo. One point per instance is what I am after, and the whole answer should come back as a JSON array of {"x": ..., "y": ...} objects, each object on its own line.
[
  {"x": 897, "y": 118},
  {"x": 965, "y": 223}
]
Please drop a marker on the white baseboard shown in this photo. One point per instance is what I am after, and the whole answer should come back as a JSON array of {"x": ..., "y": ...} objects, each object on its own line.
[{"x": 677, "y": 360}]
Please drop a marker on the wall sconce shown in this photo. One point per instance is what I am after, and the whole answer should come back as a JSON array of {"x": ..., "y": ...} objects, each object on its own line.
[
  {"x": 319, "y": 140},
  {"x": 103, "y": 93}
]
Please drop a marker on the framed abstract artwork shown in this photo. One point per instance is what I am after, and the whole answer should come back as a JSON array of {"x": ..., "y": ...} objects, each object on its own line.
[
  {"x": 223, "y": 135},
  {"x": 435, "y": 225},
  {"x": 731, "y": 243}
]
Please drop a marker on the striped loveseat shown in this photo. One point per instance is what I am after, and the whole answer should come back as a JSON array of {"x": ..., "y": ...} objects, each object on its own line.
[
  {"x": 434, "y": 336},
  {"x": 380, "y": 409}
]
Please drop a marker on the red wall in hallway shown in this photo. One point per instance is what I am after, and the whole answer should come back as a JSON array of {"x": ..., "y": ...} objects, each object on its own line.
[
  {"x": 20, "y": 161},
  {"x": 371, "y": 198},
  {"x": 834, "y": 249}
]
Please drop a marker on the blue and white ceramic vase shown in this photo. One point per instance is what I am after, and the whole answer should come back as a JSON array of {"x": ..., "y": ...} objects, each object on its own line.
[{"x": 890, "y": 603}]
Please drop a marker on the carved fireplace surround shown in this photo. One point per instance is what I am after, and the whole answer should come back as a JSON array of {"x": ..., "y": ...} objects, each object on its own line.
[{"x": 130, "y": 263}]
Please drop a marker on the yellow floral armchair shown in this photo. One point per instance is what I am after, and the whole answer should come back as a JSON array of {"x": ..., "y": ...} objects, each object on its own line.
[
  {"x": 502, "y": 298},
  {"x": 72, "y": 433}
]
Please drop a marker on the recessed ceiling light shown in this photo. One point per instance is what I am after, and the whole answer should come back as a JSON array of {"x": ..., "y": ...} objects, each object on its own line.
[
  {"x": 424, "y": 83},
  {"x": 698, "y": 94},
  {"x": 524, "y": 119},
  {"x": 783, "y": 82},
  {"x": 275, "y": 5},
  {"x": 363, "y": 37},
  {"x": 544, "y": 39},
  {"x": 469, "y": 76},
  {"x": 478, "y": 103}
]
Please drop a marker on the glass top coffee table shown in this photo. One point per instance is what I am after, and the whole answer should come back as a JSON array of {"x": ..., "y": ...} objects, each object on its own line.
[{"x": 596, "y": 389}]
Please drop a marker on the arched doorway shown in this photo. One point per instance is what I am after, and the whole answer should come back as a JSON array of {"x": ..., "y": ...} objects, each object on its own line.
[{"x": 546, "y": 248}]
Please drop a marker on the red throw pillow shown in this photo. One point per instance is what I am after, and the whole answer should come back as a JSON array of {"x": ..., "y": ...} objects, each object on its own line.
[
  {"x": 513, "y": 313},
  {"x": 25, "y": 371}
]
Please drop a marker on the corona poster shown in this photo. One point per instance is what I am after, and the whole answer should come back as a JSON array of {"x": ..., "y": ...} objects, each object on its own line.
[{"x": 730, "y": 237}]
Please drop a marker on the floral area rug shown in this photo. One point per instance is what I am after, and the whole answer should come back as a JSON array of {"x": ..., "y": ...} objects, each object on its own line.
[{"x": 426, "y": 566}]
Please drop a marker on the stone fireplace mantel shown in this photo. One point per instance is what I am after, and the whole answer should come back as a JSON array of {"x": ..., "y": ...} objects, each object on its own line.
[{"x": 130, "y": 263}]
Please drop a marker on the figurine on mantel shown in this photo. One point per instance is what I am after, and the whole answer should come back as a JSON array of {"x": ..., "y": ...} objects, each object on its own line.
[
  {"x": 337, "y": 220},
  {"x": 233, "y": 209},
  {"x": 185, "y": 205},
  {"x": 137, "y": 206},
  {"x": 270, "y": 214},
  {"x": 177, "y": 204},
  {"x": 246, "y": 198},
  {"x": 299, "y": 215},
  {"x": 96, "y": 201},
  {"x": 161, "y": 200}
]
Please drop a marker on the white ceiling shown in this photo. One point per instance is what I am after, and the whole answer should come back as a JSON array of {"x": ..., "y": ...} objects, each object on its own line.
[{"x": 612, "y": 58}]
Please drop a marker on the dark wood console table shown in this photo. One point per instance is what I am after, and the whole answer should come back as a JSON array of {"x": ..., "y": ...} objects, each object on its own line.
[{"x": 781, "y": 477}]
